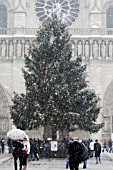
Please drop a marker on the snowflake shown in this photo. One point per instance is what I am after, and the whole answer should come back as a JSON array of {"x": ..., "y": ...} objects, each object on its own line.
[{"x": 69, "y": 9}]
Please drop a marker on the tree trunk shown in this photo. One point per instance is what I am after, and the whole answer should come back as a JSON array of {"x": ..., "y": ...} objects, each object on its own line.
[{"x": 54, "y": 133}]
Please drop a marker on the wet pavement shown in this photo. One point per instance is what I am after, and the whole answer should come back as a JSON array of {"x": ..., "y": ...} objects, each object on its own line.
[{"x": 58, "y": 164}]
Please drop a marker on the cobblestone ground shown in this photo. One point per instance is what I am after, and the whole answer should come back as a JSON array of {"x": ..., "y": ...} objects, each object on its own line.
[{"x": 59, "y": 164}]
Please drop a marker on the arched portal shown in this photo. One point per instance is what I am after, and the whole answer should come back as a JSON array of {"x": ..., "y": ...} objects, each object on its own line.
[
  {"x": 3, "y": 16},
  {"x": 108, "y": 113},
  {"x": 4, "y": 113}
]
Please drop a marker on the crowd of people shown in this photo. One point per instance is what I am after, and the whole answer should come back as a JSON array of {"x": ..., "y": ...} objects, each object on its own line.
[
  {"x": 76, "y": 151},
  {"x": 80, "y": 151}
]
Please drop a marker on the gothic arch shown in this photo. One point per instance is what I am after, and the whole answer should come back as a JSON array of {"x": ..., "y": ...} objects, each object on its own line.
[
  {"x": 106, "y": 6},
  {"x": 108, "y": 112},
  {"x": 9, "y": 12},
  {"x": 4, "y": 103},
  {"x": 5, "y": 99},
  {"x": 3, "y": 16},
  {"x": 6, "y": 3}
]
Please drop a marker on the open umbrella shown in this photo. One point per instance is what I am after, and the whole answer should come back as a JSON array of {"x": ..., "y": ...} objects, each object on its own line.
[{"x": 16, "y": 134}]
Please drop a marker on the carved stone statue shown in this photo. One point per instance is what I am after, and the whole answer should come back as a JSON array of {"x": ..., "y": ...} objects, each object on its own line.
[
  {"x": 110, "y": 49},
  {"x": 86, "y": 50},
  {"x": 19, "y": 49},
  {"x": 95, "y": 50},
  {"x": 27, "y": 48},
  {"x": 103, "y": 50},
  {"x": 79, "y": 51},
  {"x": 3, "y": 51},
  {"x": 11, "y": 49}
]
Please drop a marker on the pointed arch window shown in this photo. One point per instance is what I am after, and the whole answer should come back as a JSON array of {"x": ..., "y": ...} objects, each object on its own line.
[
  {"x": 3, "y": 16},
  {"x": 109, "y": 17}
]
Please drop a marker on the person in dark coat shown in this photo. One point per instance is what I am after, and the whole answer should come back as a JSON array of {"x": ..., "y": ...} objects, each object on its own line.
[
  {"x": 10, "y": 145},
  {"x": 110, "y": 145},
  {"x": 3, "y": 145},
  {"x": 75, "y": 153},
  {"x": 18, "y": 153},
  {"x": 85, "y": 147},
  {"x": 97, "y": 149}
]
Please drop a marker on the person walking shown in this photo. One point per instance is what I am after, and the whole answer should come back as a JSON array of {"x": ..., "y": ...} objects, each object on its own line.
[
  {"x": 110, "y": 145},
  {"x": 91, "y": 146},
  {"x": 10, "y": 145},
  {"x": 2, "y": 145},
  {"x": 17, "y": 153},
  {"x": 26, "y": 151},
  {"x": 97, "y": 149},
  {"x": 85, "y": 153},
  {"x": 75, "y": 154}
]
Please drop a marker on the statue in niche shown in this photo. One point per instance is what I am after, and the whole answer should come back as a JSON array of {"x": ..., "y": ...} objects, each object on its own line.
[
  {"x": 3, "y": 51},
  {"x": 95, "y": 50},
  {"x": 110, "y": 49},
  {"x": 103, "y": 49},
  {"x": 79, "y": 51},
  {"x": 19, "y": 49},
  {"x": 73, "y": 52},
  {"x": 11, "y": 49},
  {"x": 86, "y": 48},
  {"x": 27, "y": 48}
]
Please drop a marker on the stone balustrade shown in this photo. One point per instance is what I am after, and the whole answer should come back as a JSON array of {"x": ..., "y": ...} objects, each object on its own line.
[
  {"x": 91, "y": 44},
  {"x": 73, "y": 31}
]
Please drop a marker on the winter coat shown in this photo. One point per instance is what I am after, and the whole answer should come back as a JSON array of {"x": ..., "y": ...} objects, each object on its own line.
[
  {"x": 75, "y": 153},
  {"x": 97, "y": 148},
  {"x": 26, "y": 146},
  {"x": 91, "y": 146},
  {"x": 18, "y": 149},
  {"x": 85, "y": 152}
]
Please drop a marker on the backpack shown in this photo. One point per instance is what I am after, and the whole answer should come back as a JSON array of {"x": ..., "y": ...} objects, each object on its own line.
[
  {"x": 85, "y": 152},
  {"x": 98, "y": 147}
]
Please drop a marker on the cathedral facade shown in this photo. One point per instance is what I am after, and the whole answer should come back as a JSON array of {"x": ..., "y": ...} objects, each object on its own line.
[{"x": 91, "y": 26}]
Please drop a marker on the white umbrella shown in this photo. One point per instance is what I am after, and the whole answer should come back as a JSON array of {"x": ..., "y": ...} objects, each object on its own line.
[{"x": 16, "y": 134}]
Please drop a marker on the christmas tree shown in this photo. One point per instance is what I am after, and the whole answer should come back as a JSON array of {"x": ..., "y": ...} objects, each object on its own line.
[{"x": 57, "y": 93}]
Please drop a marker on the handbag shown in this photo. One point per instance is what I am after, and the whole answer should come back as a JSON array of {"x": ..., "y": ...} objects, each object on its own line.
[{"x": 25, "y": 152}]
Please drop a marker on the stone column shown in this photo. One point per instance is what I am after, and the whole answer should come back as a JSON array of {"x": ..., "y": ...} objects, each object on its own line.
[
  {"x": 108, "y": 50},
  {"x": 100, "y": 54},
  {"x": 91, "y": 49},
  {"x": 23, "y": 49},
  {"x": 83, "y": 49},
  {"x": 75, "y": 48},
  {"x": 15, "y": 50}
]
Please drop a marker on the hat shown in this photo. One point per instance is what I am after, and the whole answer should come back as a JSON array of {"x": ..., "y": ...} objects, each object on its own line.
[{"x": 75, "y": 138}]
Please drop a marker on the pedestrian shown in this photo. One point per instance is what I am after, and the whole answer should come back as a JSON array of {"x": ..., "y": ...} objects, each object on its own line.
[
  {"x": 26, "y": 151},
  {"x": 110, "y": 145},
  {"x": 17, "y": 153},
  {"x": 91, "y": 146},
  {"x": 97, "y": 149},
  {"x": 105, "y": 148},
  {"x": 10, "y": 145},
  {"x": 46, "y": 152},
  {"x": 32, "y": 150},
  {"x": 85, "y": 153},
  {"x": 2, "y": 145},
  {"x": 75, "y": 154}
]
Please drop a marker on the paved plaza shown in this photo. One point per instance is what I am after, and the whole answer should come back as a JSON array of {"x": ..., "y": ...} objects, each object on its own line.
[{"x": 6, "y": 163}]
